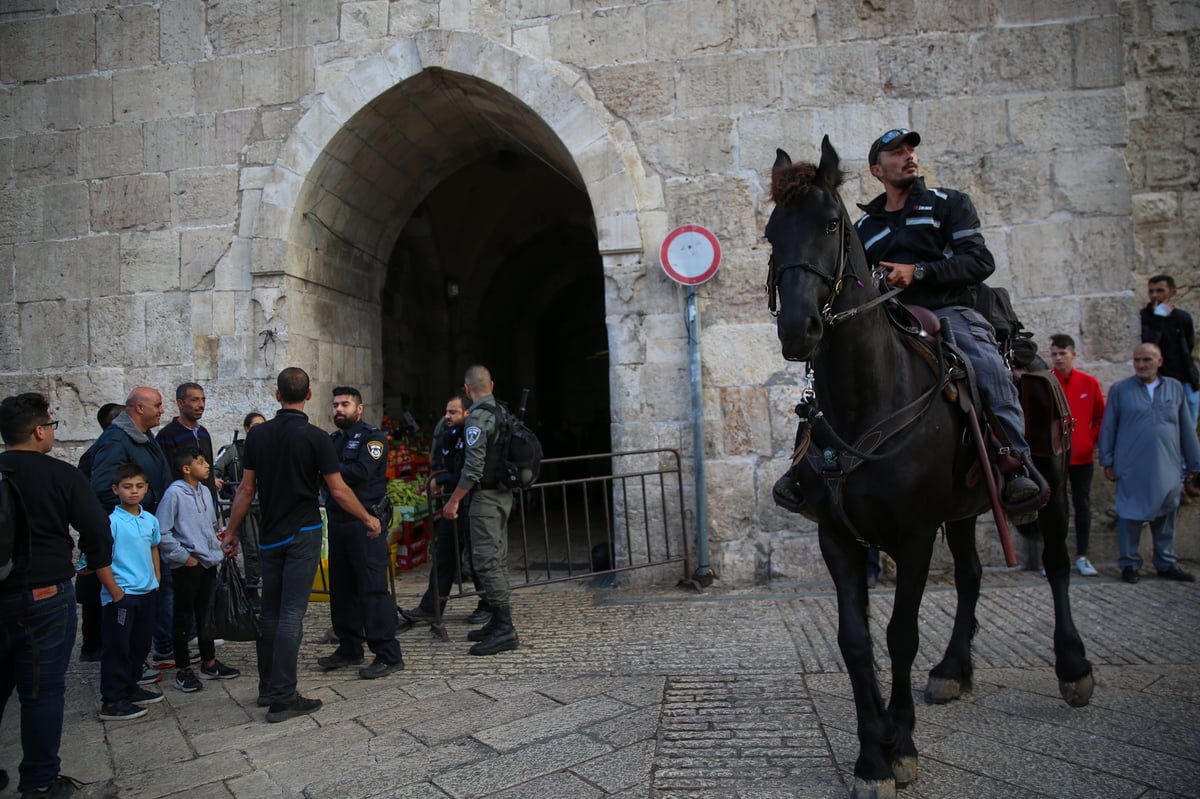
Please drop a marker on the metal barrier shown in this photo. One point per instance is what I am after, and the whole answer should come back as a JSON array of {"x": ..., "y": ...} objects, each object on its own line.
[{"x": 581, "y": 524}]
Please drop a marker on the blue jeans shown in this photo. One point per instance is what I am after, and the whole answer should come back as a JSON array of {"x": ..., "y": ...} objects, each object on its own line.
[
  {"x": 975, "y": 337},
  {"x": 128, "y": 625},
  {"x": 1081, "y": 497},
  {"x": 287, "y": 580},
  {"x": 360, "y": 605},
  {"x": 36, "y": 638},
  {"x": 164, "y": 618},
  {"x": 1129, "y": 534}
]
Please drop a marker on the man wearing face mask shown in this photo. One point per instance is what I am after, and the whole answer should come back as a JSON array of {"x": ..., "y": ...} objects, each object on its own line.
[{"x": 360, "y": 605}]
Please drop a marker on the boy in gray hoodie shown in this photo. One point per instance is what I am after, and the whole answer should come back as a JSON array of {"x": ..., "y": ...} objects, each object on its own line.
[{"x": 190, "y": 548}]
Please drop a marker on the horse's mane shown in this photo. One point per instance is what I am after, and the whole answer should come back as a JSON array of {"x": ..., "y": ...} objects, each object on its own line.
[{"x": 790, "y": 183}]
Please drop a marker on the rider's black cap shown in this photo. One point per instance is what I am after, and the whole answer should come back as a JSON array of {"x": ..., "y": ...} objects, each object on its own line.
[{"x": 891, "y": 140}]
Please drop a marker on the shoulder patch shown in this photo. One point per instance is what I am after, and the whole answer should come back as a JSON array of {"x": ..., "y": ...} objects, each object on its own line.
[
  {"x": 473, "y": 435},
  {"x": 375, "y": 449}
]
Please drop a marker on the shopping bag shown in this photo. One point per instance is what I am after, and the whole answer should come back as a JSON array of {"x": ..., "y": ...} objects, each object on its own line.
[{"x": 230, "y": 615}]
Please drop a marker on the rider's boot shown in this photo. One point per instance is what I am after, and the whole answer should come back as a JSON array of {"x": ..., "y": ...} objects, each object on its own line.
[
  {"x": 787, "y": 495},
  {"x": 1020, "y": 487}
]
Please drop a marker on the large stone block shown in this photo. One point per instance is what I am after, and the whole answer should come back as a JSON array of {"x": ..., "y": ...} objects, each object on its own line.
[
  {"x": 727, "y": 85},
  {"x": 181, "y": 30},
  {"x": 1099, "y": 57},
  {"x": 1082, "y": 256},
  {"x": 126, "y": 37},
  {"x": 626, "y": 340},
  {"x": 694, "y": 146},
  {"x": 111, "y": 150},
  {"x": 1176, "y": 94},
  {"x": 150, "y": 261},
  {"x": 1006, "y": 187},
  {"x": 199, "y": 252},
  {"x": 688, "y": 27},
  {"x": 776, "y": 24},
  {"x": 665, "y": 339},
  {"x": 848, "y": 21},
  {"x": 44, "y": 158},
  {"x": 20, "y": 215},
  {"x": 10, "y": 325},
  {"x": 731, "y": 506},
  {"x": 635, "y": 91},
  {"x": 168, "y": 341},
  {"x": 79, "y": 103},
  {"x": 1041, "y": 122},
  {"x": 1026, "y": 12},
  {"x": 278, "y": 77},
  {"x": 746, "y": 420},
  {"x": 1092, "y": 182},
  {"x": 54, "y": 335},
  {"x": 235, "y": 28},
  {"x": 364, "y": 19},
  {"x": 740, "y": 355},
  {"x": 603, "y": 36},
  {"x": 161, "y": 92},
  {"x": 180, "y": 143},
  {"x": 117, "y": 330},
  {"x": 1155, "y": 208},
  {"x": 137, "y": 201},
  {"x": 940, "y": 66},
  {"x": 782, "y": 397},
  {"x": 1026, "y": 59},
  {"x": 723, "y": 204},
  {"x": 796, "y": 557},
  {"x": 64, "y": 210},
  {"x": 1110, "y": 326},
  {"x": 829, "y": 74},
  {"x": 76, "y": 396},
  {"x": 218, "y": 85},
  {"x": 50, "y": 47},
  {"x": 55, "y": 270},
  {"x": 204, "y": 196}
]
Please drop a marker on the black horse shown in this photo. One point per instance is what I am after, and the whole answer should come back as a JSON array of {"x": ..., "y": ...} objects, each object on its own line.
[{"x": 912, "y": 481}]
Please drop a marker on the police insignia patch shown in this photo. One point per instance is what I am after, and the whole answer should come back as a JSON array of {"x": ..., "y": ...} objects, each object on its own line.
[
  {"x": 375, "y": 449},
  {"x": 473, "y": 434}
]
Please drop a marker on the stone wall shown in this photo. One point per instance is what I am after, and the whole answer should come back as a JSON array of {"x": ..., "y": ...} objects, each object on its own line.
[{"x": 152, "y": 155}]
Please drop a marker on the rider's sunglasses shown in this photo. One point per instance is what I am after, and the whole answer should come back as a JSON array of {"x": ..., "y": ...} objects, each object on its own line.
[{"x": 892, "y": 135}]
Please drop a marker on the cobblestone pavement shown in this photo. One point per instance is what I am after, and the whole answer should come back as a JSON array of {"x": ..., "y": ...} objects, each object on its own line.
[{"x": 663, "y": 693}]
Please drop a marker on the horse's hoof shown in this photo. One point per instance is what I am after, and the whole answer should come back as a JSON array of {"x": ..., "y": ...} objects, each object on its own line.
[
  {"x": 905, "y": 769},
  {"x": 940, "y": 690},
  {"x": 873, "y": 789},
  {"x": 1078, "y": 693}
]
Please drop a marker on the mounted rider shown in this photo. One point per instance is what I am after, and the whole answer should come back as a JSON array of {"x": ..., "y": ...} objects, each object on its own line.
[{"x": 929, "y": 243}]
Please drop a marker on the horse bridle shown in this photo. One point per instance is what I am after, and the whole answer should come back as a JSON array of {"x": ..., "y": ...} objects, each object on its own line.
[{"x": 835, "y": 282}]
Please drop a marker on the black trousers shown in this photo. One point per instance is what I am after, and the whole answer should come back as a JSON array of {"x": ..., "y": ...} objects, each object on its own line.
[
  {"x": 453, "y": 538},
  {"x": 87, "y": 594},
  {"x": 128, "y": 627},
  {"x": 193, "y": 590},
  {"x": 360, "y": 605}
]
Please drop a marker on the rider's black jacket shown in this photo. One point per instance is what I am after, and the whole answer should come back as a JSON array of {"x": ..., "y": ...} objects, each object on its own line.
[{"x": 938, "y": 229}]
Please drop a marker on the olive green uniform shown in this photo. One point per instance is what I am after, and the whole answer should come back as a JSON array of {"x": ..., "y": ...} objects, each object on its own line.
[{"x": 490, "y": 506}]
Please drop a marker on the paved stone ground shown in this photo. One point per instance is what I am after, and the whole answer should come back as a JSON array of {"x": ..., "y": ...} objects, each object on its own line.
[{"x": 662, "y": 693}]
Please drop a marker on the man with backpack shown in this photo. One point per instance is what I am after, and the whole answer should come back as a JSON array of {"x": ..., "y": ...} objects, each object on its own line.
[{"x": 482, "y": 474}]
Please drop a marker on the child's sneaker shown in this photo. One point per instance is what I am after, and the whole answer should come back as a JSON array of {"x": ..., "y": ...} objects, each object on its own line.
[
  {"x": 142, "y": 697},
  {"x": 160, "y": 661},
  {"x": 150, "y": 675},
  {"x": 121, "y": 710},
  {"x": 186, "y": 681},
  {"x": 218, "y": 671}
]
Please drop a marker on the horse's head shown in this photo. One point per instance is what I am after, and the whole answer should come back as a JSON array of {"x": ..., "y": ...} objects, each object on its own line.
[{"x": 809, "y": 235}]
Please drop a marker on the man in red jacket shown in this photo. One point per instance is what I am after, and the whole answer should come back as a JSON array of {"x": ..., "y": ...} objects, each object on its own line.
[{"x": 1087, "y": 407}]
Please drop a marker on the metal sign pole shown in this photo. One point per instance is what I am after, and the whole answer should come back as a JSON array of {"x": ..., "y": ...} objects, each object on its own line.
[{"x": 704, "y": 574}]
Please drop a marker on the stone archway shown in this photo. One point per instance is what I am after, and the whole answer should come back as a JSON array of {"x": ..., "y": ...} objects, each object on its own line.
[{"x": 357, "y": 168}]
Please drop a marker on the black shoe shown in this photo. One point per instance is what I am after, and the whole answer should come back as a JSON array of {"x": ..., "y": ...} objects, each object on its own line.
[
  {"x": 1178, "y": 574},
  {"x": 58, "y": 788},
  {"x": 186, "y": 681},
  {"x": 90, "y": 655},
  {"x": 417, "y": 615},
  {"x": 787, "y": 494},
  {"x": 282, "y": 711},
  {"x": 262, "y": 701},
  {"x": 481, "y": 615},
  {"x": 1130, "y": 575},
  {"x": 484, "y": 631},
  {"x": 503, "y": 636},
  {"x": 338, "y": 661},
  {"x": 1020, "y": 489},
  {"x": 3, "y": 779},
  {"x": 379, "y": 668}
]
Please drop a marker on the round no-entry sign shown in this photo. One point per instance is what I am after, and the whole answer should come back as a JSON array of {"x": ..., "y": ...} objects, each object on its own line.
[{"x": 690, "y": 254}]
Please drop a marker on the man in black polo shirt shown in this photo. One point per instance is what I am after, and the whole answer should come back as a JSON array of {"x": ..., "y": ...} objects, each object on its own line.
[
  {"x": 37, "y": 600},
  {"x": 285, "y": 461}
]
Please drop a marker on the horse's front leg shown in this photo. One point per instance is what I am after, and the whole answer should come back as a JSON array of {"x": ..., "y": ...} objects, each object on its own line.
[
  {"x": 948, "y": 679},
  {"x": 847, "y": 563},
  {"x": 1074, "y": 671},
  {"x": 903, "y": 636}
]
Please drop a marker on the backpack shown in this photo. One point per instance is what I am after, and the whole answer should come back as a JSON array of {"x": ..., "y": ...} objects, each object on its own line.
[
  {"x": 1016, "y": 344},
  {"x": 14, "y": 533},
  {"x": 521, "y": 460}
]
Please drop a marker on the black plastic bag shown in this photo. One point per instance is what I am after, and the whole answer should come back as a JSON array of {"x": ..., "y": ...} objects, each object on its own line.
[{"x": 230, "y": 615}]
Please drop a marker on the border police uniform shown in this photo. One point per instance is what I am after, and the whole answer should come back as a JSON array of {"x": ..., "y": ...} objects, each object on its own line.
[{"x": 360, "y": 605}]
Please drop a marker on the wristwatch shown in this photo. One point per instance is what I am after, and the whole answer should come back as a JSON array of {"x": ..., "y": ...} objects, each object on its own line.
[{"x": 918, "y": 272}]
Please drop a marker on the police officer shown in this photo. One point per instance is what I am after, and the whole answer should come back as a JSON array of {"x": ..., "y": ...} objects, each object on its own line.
[
  {"x": 488, "y": 514},
  {"x": 360, "y": 605},
  {"x": 447, "y": 458}
]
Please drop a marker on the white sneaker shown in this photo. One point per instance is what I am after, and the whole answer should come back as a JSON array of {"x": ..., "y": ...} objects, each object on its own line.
[{"x": 1085, "y": 566}]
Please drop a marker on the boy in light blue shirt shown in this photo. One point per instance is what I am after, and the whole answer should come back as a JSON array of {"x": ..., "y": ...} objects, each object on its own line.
[{"x": 127, "y": 618}]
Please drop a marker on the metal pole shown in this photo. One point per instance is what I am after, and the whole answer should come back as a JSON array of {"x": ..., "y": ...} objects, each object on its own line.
[{"x": 704, "y": 573}]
